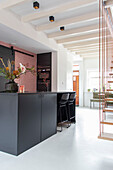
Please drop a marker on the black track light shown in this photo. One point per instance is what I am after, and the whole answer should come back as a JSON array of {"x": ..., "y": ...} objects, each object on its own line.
[
  {"x": 36, "y": 5},
  {"x": 62, "y": 28},
  {"x": 51, "y": 19}
]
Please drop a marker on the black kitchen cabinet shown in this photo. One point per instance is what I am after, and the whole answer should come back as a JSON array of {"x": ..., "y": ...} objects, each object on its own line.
[
  {"x": 29, "y": 121},
  {"x": 49, "y": 115},
  {"x": 25, "y": 120}
]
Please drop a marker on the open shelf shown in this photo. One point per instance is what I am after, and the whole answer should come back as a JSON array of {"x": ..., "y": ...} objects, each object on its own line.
[{"x": 44, "y": 72}]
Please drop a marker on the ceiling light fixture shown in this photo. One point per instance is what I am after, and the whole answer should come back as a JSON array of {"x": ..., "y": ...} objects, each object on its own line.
[
  {"x": 36, "y": 5},
  {"x": 62, "y": 28},
  {"x": 51, "y": 19}
]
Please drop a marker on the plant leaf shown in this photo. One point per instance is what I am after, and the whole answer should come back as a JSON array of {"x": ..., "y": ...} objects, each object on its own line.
[{"x": 9, "y": 66}]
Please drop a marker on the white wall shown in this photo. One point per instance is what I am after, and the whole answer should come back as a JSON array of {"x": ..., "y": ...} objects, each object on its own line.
[
  {"x": 62, "y": 67},
  {"x": 69, "y": 80},
  {"x": 65, "y": 70},
  {"x": 54, "y": 72}
]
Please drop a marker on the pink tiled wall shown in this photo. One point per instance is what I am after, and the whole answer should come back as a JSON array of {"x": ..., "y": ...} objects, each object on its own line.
[{"x": 29, "y": 80}]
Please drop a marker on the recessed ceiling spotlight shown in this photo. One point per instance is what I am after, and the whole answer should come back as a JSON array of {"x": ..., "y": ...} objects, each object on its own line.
[
  {"x": 51, "y": 19},
  {"x": 62, "y": 28},
  {"x": 36, "y": 5}
]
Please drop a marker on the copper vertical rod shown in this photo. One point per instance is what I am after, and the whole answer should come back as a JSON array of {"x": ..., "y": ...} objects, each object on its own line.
[
  {"x": 99, "y": 66},
  {"x": 102, "y": 59}
]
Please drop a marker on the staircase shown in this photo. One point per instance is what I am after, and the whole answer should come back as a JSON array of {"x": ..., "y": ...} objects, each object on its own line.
[
  {"x": 105, "y": 72},
  {"x": 106, "y": 110}
]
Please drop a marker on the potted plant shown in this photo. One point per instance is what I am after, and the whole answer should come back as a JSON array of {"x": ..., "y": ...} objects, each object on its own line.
[
  {"x": 9, "y": 72},
  {"x": 89, "y": 90}
]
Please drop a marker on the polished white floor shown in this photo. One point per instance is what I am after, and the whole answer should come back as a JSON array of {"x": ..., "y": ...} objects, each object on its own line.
[{"x": 76, "y": 148}]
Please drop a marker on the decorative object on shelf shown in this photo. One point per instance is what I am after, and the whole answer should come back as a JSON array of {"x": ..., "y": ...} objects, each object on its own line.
[
  {"x": 51, "y": 19},
  {"x": 21, "y": 89},
  {"x": 94, "y": 89},
  {"x": 9, "y": 73},
  {"x": 11, "y": 86},
  {"x": 36, "y": 5},
  {"x": 88, "y": 90},
  {"x": 62, "y": 28}
]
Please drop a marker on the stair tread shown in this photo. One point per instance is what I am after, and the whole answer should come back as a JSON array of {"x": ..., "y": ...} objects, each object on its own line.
[
  {"x": 106, "y": 136},
  {"x": 108, "y": 110},
  {"x": 109, "y": 89},
  {"x": 111, "y": 74},
  {"x": 108, "y": 99},
  {"x": 110, "y": 81},
  {"x": 108, "y": 121}
]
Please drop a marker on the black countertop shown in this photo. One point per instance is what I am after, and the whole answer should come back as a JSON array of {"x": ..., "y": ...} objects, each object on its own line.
[{"x": 38, "y": 92}]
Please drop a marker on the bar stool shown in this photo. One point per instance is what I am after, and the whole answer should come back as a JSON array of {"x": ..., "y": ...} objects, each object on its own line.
[
  {"x": 71, "y": 105},
  {"x": 62, "y": 112}
]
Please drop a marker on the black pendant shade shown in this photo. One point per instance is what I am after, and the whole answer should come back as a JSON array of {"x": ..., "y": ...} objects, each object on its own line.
[
  {"x": 36, "y": 5},
  {"x": 51, "y": 19},
  {"x": 62, "y": 28}
]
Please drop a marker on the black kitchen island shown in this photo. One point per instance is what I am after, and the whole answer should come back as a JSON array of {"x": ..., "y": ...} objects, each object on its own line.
[{"x": 26, "y": 119}]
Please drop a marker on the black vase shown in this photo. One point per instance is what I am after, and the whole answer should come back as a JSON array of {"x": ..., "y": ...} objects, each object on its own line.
[{"x": 11, "y": 87}]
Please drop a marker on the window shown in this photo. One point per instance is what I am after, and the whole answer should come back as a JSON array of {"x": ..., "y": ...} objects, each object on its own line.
[{"x": 93, "y": 80}]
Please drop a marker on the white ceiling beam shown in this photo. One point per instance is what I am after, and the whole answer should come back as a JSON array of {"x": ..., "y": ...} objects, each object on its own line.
[
  {"x": 84, "y": 46},
  {"x": 85, "y": 50},
  {"x": 57, "y": 10},
  {"x": 10, "y": 3},
  {"x": 88, "y": 48},
  {"x": 81, "y": 43},
  {"x": 74, "y": 31},
  {"x": 68, "y": 21},
  {"x": 86, "y": 42},
  {"x": 82, "y": 30},
  {"x": 88, "y": 52},
  {"x": 89, "y": 35},
  {"x": 90, "y": 55},
  {"x": 78, "y": 38}
]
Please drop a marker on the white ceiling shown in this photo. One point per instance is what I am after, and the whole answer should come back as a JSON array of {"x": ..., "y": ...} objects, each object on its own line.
[
  {"x": 10, "y": 36},
  {"x": 26, "y": 8}
]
